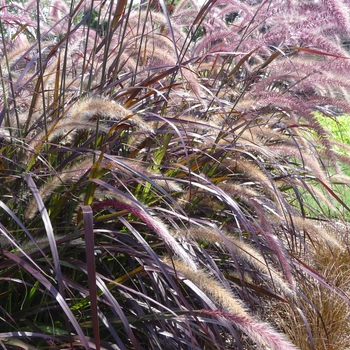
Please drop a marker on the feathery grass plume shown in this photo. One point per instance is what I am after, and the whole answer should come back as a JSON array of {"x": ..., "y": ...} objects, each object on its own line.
[
  {"x": 277, "y": 40},
  {"x": 60, "y": 179},
  {"x": 150, "y": 39},
  {"x": 308, "y": 160},
  {"x": 275, "y": 148},
  {"x": 313, "y": 198},
  {"x": 339, "y": 178},
  {"x": 14, "y": 20},
  {"x": 333, "y": 233},
  {"x": 260, "y": 332},
  {"x": 169, "y": 184},
  {"x": 84, "y": 116},
  {"x": 276, "y": 244},
  {"x": 252, "y": 198},
  {"x": 90, "y": 108},
  {"x": 30, "y": 247},
  {"x": 56, "y": 8},
  {"x": 340, "y": 149},
  {"x": 153, "y": 222},
  {"x": 252, "y": 173},
  {"x": 67, "y": 128},
  {"x": 244, "y": 250},
  {"x": 341, "y": 12},
  {"x": 150, "y": 30},
  {"x": 185, "y": 8},
  {"x": 15, "y": 56},
  {"x": 198, "y": 134}
]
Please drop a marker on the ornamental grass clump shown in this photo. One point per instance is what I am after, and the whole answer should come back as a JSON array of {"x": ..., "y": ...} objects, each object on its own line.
[{"x": 166, "y": 180}]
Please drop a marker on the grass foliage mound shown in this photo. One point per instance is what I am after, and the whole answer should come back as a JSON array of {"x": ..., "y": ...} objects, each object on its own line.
[{"x": 165, "y": 179}]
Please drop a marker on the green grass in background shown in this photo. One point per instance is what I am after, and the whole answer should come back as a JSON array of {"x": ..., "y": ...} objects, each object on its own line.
[
  {"x": 339, "y": 129},
  {"x": 338, "y": 126}
]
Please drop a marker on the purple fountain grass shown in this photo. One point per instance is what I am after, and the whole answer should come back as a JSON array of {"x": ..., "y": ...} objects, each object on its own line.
[
  {"x": 340, "y": 10},
  {"x": 244, "y": 251},
  {"x": 260, "y": 332},
  {"x": 318, "y": 301},
  {"x": 188, "y": 8},
  {"x": 235, "y": 312},
  {"x": 324, "y": 234},
  {"x": 58, "y": 9},
  {"x": 134, "y": 166},
  {"x": 84, "y": 115},
  {"x": 153, "y": 223},
  {"x": 62, "y": 178},
  {"x": 191, "y": 133}
]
